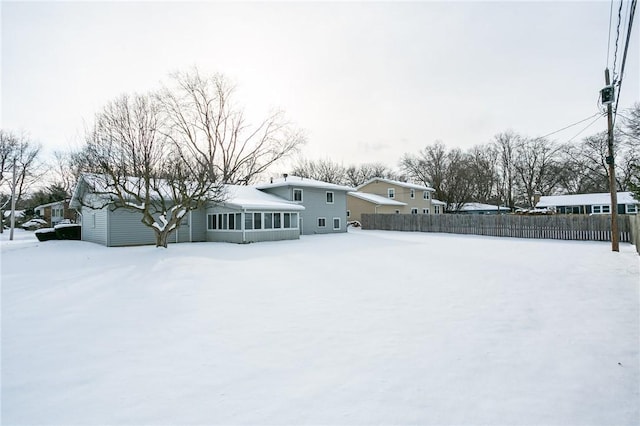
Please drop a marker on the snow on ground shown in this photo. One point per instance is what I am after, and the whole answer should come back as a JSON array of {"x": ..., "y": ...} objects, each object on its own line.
[{"x": 361, "y": 328}]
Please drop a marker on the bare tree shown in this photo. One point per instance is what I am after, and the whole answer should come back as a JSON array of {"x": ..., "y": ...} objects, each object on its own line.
[
  {"x": 446, "y": 171},
  {"x": 537, "y": 167},
  {"x": 483, "y": 173},
  {"x": 322, "y": 170},
  {"x": 203, "y": 118},
  {"x": 506, "y": 143},
  {"x": 356, "y": 175},
  {"x": 137, "y": 167},
  {"x": 19, "y": 155}
]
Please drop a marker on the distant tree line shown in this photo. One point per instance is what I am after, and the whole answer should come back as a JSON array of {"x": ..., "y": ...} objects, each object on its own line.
[
  {"x": 192, "y": 130},
  {"x": 509, "y": 170}
]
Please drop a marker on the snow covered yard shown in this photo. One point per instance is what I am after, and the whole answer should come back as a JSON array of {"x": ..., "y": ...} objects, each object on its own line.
[{"x": 361, "y": 328}]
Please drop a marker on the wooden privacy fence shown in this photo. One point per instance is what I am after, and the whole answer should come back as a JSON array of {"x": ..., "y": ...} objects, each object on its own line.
[
  {"x": 559, "y": 227},
  {"x": 634, "y": 222}
]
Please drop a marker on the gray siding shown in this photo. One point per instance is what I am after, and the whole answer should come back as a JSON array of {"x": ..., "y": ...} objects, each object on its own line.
[
  {"x": 315, "y": 203},
  {"x": 198, "y": 225},
  {"x": 126, "y": 229},
  {"x": 94, "y": 225}
]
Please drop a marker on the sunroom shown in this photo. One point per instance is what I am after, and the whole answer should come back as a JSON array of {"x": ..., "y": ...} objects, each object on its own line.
[{"x": 249, "y": 215}]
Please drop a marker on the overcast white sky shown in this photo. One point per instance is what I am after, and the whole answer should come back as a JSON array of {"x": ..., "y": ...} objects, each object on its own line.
[{"x": 368, "y": 81}]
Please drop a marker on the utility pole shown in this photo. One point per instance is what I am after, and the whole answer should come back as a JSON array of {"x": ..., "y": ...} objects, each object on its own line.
[
  {"x": 13, "y": 201},
  {"x": 615, "y": 235}
]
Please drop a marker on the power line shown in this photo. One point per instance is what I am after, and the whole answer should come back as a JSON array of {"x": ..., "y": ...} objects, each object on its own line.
[
  {"x": 588, "y": 125},
  {"x": 599, "y": 114},
  {"x": 609, "y": 39},
  {"x": 615, "y": 54},
  {"x": 632, "y": 12}
]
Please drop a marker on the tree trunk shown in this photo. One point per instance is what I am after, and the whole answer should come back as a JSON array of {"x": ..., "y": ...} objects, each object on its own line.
[{"x": 161, "y": 238}]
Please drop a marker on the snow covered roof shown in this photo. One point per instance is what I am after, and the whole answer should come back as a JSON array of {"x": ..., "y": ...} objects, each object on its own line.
[
  {"x": 470, "y": 207},
  {"x": 249, "y": 197},
  {"x": 303, "y": 182},
  {"x": 602, "y": 198},
  {"x": 376, "y": 199},
  {"x": 19, "y": 213},
  {"x": 397, "y": 183},
  {"x": 49, "y": 204},
  {"x": 438, "y": 202}
]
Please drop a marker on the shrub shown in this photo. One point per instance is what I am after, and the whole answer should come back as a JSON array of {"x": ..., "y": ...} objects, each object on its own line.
[
  {"x": 68, "y": 231},
  {"x": 46, "y": 234}
]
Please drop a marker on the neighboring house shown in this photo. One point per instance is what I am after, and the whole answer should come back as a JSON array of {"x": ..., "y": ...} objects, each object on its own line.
[
  {"x": 480, "y": 208},
  {"x": 599, "y": 203},
  {"x": 325, "y": 203},
  {"x": 439, "y": 207},
  {"x": 359, "y": 203},
  {"x": 416, "y": 199},
  {"x": 56, "y": 212}
]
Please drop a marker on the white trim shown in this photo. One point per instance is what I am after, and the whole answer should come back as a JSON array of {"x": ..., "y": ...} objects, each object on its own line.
[
  {"x": 391, "y": 193},
  {"x": 325, "y": 222},
  {"x": 293, "y": 195},
  {"x": 414, "y": 210},
  {"x": 631, "y": 208}
]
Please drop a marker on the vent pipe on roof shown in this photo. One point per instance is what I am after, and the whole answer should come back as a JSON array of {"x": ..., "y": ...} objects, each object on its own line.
[
  {"x": 271, "y": 179},
  {"x": 285, "y": 176}
]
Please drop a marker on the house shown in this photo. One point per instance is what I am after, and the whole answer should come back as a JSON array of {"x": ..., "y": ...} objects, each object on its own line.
[
  {"x": 325, "y": 204},
  {"x": 55, "y": 212},
  {"x": 481, "y": 208},
  {"x": 246, "y": 215},
  {"x": 402, "y": 197},
  {"x": 599, "y": 203},
  {"x": 359, "y": 203}
]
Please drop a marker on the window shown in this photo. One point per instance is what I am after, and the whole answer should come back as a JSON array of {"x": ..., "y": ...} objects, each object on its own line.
[
  {"x": 277, "y": 221},
  {"x": 414, "y": 210},
  {"x": 257, "y": 221},
  {"x": 322, "y": 222},
  {"x": 287, "y": 220},
  {"x": 436, "y": 209},
  {"x": 56, "y": 212},
  {"x": 397, "y": 211},
  {"x": 212, "y": 221},
  {"x": 294, "y": 220},
  {"x": 596, "y": 209},
  {"x": 425, "y": 211},
  {"x": 391, "y": 193},
  {"x": 348, "y": 213},
  {"x": 329, "y": 197},
  {"x": 297, "y": 195},
  {"x": 606, "y": 209},
  {"x": 336, "y": 223},
  {"x": 632, "y": 208},
  {"x": 412, "y": 193},
  {"x": 425, "y": 195},
  {"x": 232, "y": 221},
  {"x": 248, "y": 221},
  {"x": 268, "y": 220}
]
